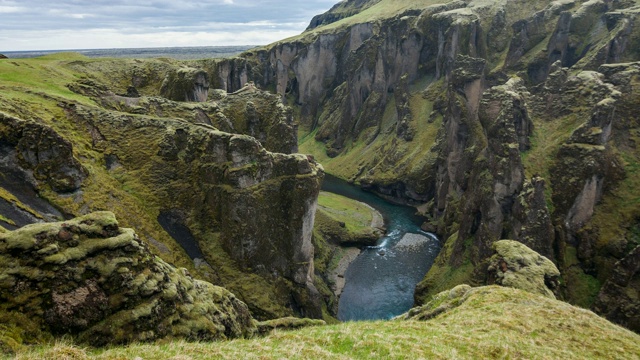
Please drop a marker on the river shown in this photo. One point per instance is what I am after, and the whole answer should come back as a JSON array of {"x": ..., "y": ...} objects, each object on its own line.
[{"x": 380, "y": 282}]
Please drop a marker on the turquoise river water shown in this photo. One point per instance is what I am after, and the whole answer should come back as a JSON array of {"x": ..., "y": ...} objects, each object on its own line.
[{"x": 380, "y": 282}]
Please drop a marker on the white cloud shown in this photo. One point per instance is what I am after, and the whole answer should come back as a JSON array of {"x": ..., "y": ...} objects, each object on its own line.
[
  {"x": 79, "y": 16},
  {"x": 110, "y": 38},
  {"x": 11, "y": 9}
]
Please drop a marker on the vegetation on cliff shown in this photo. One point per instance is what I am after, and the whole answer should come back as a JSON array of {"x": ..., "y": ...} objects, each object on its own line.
[{"x": 81, "y": 135}]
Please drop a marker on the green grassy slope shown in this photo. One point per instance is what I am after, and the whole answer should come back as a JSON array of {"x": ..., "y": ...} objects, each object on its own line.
[
  {"x": 495, "y": 323},
  {"x": 33, "y": 89}
]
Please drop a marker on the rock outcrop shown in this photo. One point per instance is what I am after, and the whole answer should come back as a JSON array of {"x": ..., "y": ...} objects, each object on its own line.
[
  {"x": 252, "y": 112},
  {"x": 90, "y": 278},
  {"x": 186, "y": 84},
  {"x": 259, "y": 206},
  {"x": 515, "y": 265},
  {"x": 43, "y": 152},
  {"x": 210, "y": 185},
  {"x": 340, "y": 11}
]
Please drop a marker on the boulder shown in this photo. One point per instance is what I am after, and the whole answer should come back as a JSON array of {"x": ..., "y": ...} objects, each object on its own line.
[
  {"x": 98, "y": 282},
  {"x": 515, "y": 265}
]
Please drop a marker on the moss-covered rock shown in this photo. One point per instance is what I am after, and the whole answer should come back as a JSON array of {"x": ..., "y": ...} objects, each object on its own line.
[
  {"x": 92, "y": 279},
  {"x": 250, "y": 111},
  {"x": 18, "y": 330},
  {"x": 186, "y": 84},
  {"x": 256, "y": 206},
  {"x": 440, "y": 303},
  {"x": 516, "y": 265}
]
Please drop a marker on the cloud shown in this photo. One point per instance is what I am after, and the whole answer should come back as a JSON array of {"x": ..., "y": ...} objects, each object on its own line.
[
  {"x": 33, "y": 24},
  {"x": 11, "y": 9},
  {"x": 111, "y": 38}
]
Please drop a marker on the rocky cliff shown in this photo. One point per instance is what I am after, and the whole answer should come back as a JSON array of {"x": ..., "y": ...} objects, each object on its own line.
[
  {"x": 208, "y": 179},
  {"x": 504, "y": 119}
]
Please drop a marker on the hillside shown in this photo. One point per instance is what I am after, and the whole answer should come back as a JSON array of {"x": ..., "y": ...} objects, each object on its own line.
[{"x": 492, "y": 322}]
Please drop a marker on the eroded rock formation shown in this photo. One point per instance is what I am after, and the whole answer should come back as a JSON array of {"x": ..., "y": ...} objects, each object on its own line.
[
  {"x": 89, "y": 277},
  {"x": 43, "y": 152}
]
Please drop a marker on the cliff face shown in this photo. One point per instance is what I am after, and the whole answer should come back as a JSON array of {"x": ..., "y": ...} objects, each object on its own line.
[
  {"x": 260, "y": 206},
  {"x": 506, "y": 119},
  {"x": 197, "y": 179}
]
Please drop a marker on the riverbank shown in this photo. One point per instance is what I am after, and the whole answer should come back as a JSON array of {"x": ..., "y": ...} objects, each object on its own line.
[
  {"x": 379, "y": 283},
  {"x": 336, "y": 275},
  {"x": 343, "y": 227}
]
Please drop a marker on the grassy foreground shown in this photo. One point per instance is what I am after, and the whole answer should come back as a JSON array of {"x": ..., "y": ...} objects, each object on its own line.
[{"x": 497, "y": 323}]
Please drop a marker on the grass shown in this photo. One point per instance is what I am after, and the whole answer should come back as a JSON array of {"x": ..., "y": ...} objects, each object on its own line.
[
  {"x": 356, "y": 215},
  {"x": 548, "y": 136},
  {"x": 496, "y": 323},
  {"x": 45, "y": 74},
  {"x": 386, "y": 157},
  {"x": 382, "y": 10}
]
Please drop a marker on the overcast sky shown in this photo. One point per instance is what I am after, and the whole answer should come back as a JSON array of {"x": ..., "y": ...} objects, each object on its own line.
[{"x": 97, "y": 24}]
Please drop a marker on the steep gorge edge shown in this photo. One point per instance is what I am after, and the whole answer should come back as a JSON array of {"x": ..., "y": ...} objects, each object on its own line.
[{"x": 510, "y": 119}]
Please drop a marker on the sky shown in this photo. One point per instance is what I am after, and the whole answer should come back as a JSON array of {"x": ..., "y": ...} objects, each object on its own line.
[{"x": 100, "y": 24}]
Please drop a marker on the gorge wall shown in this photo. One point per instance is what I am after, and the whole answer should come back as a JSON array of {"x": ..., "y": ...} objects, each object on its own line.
[
  {"x": 211, "y": 186},
  {"x": 503, "y": 119}
]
